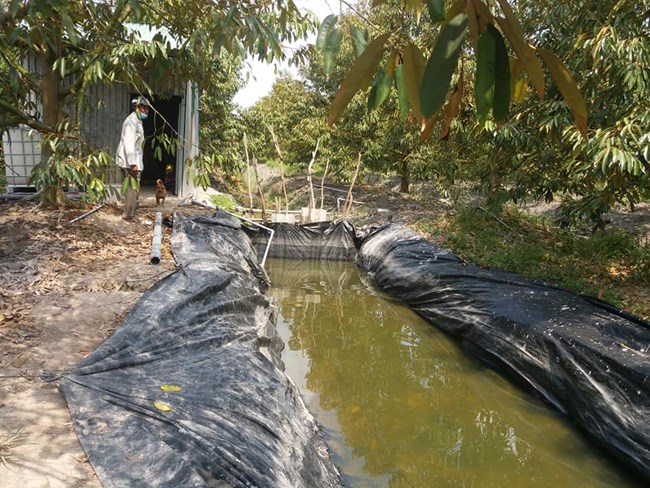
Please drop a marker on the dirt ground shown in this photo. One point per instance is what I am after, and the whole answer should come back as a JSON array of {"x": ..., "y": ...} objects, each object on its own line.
[{"x": 64, "y": 288}]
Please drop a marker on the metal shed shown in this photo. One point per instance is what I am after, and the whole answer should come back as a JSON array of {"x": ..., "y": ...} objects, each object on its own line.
[{"x": 101, "y": 127}]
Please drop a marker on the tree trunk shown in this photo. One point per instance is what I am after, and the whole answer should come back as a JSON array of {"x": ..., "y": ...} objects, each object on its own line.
[
  {"x": 495, "y": 175},
  {"x": 50, "y": 85},
  {"x": 406, "y": 177},
  {"x": 49, "y": 96}
]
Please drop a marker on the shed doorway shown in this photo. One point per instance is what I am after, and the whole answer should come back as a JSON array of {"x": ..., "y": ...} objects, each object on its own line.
[{"x": 163, "y": 119}]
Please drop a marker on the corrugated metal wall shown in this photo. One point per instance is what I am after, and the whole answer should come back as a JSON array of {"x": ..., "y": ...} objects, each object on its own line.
[
  {"x": 101, "y": 125},
  {"x": 101, "y": 122}
]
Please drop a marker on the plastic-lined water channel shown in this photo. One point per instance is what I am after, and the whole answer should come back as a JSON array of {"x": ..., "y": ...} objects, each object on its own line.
[{"x": 401, "y": 405}]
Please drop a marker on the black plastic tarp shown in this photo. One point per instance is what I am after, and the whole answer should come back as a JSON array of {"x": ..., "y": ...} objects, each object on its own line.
[
  {"x": 336, "y": 241},
  {"x": 188, "y": 391},
  {"x": 583, "y": 356}
]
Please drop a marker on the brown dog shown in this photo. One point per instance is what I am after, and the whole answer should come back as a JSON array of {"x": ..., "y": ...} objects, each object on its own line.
[{"x": 161, "y": 192}]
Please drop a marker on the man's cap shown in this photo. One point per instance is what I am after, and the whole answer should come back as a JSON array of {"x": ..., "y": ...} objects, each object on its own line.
[{"x": 140, "y": 101}]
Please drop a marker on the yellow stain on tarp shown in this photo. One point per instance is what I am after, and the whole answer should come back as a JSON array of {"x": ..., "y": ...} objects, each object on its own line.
[{"x": 162, "y": 407}]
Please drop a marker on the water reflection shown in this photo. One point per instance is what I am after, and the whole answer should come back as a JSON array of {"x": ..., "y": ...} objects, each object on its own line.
[{"x": 402, "y": 406}]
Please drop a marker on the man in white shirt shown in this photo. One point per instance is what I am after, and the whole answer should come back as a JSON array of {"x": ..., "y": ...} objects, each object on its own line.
[{"x": 129, "y": 152}]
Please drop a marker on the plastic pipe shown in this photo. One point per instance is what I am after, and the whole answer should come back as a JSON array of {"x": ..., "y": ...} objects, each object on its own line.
[
  {"x": 156, "y": 243},
  {"x": 269, "y": 230},
  {"x": 83, "y": 216},
  {"x": 339, "y": 200}
]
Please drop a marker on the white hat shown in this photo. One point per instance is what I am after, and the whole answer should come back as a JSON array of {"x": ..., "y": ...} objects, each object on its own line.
[{"x": 140, "y": 101}]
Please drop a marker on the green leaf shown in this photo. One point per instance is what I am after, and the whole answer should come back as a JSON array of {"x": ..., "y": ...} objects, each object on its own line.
[
  {"x": 359, "y": 77},
  {"x": 324, "y": 30},
  {"x": 192, "y": 41},
  {"x": 384, "y": 85},
  {"x": 485, "y": 65},
  {"x": 331, "y": 51},
  {"x": 502, "y": 92},
  {"x": 441, "y": 65},
  {"x": 416, "y": 7},
  {"x": 402, "y": 97},
  {"x": 412, "y": 73},
  {"x": 372, "y": 98},
  {"x": 359, "y": 40},
  {"x": 380, "y": 90},
  {"x": 70, "y": 29},
  {"x": 228, "y": 18},
  {"x": 512, "y": 30},
  {"x": 137, "y": 10},
  {"x": 456, "y": 8},
  {"x": 436, "y": 10},
  {"x": 276, "y": 47},
  {"x": 492, "y": 86},
  {"x": 13, "y": 9},
  {"x": 241, "y": 49},
  {"x": 568, "y": 88},
  {"x": 14, "y": 80}
]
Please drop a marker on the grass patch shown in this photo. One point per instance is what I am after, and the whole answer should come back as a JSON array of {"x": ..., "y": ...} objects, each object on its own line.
[
  {"x": 8, "y": 442},
  {"x": 223, "y": 201},
  {"x": 604, "y": 265},
  {"x": 289, "y": 170}
]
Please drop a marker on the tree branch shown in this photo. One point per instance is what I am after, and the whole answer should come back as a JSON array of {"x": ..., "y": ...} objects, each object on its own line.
[
  {"x": 360, "y": 15},
  {"x": 25, "y": 118}
]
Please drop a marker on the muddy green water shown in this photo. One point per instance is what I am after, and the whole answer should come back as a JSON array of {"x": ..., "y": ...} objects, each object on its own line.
[{"x": 402, "y": 406}]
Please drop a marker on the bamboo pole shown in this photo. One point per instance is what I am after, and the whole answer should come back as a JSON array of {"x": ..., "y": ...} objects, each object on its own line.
[
  {"x": 259, "y": 189},
  {"x": 312, "y": 198},
  {"x": 349, "y": 199},
  {"x": 322, "y": 184},
  {"x": 282, "y": 181},
  {"x": 248, "y": 166}
]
